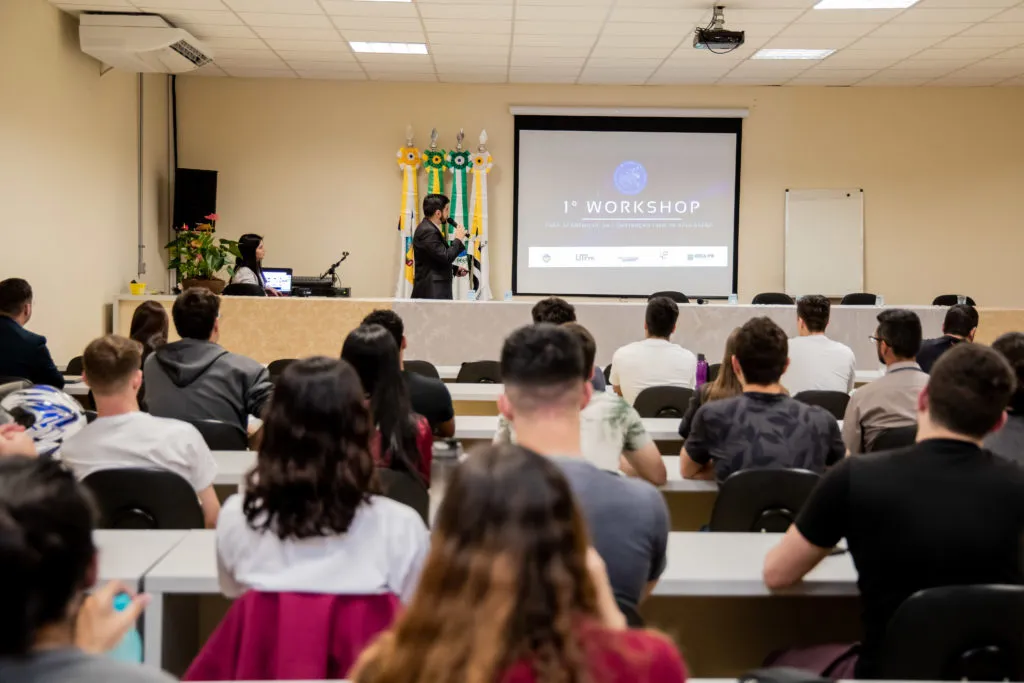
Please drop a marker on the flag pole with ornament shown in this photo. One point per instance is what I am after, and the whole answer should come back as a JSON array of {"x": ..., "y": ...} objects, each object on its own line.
[
  {"x": 458, "y": 160},
  {"x": 481, "y": 165},
  {"x": 435, "y": 165},
  {"x": 409, "y": 163}
]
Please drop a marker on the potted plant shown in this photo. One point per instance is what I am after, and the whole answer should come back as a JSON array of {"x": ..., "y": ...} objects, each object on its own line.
[{"x": 199, "y": 257}]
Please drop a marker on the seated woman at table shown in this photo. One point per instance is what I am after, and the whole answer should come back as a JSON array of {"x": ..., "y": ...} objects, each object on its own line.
[
  {"x": 512, "y": 592},
  {"x": 404, "y": 439},
  {"x": 50, "y": 631},
  {"x": 309, "y": 520},
  {"x": 150, "y": 326},
  {"x": 726, "y": 385},
  {"x": 249, "y": 266}
]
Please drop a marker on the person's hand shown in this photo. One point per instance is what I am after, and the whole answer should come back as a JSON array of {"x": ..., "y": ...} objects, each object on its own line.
[
  {"x": 461, "y": 272},
  {"x": 460, "y": 233},
  {"x": 272, "y": 292},
  {"x": 611, "y": 616},
  {"x": 14, "y": 440},
  {"x": 99, "y": 627}
]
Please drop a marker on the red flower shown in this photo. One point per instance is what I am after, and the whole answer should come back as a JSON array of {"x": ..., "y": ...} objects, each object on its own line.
[
  {"x": 212, "y": 217},
  {"x": 184, "y": 227}
]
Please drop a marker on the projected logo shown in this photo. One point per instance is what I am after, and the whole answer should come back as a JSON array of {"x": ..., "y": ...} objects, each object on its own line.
[{"x": 630, "y": 177}]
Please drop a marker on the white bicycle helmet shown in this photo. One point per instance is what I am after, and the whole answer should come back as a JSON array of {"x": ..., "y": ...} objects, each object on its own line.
[{"x": 47, "y": 414}]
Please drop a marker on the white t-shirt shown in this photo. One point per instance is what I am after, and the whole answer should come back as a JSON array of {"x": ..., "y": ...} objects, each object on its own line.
[
  {"x": 382, "y": 552},
  {"x": 816, "y": 363},
  {"x": 652, "y": 363},
  {"x": 141, "y": 440}
]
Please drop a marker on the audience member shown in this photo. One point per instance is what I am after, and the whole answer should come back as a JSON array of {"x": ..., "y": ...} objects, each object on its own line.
[
  {"x": 123, "y": 437},
  {"x": 560, "y": 312},
  {"x": 725, "y": 385},
  {"x": 1008, "y": 442},
  {"x": 52, "y": 630},
  {"x": 959, "y": 326},
  {"x": 23, "y": 354},
  {"x": 612, "y": 434},
  {"x": 196, "y": 378},
  {"x": 817, "y": 363},
  {"x": 310, "y": 520},
  {"x": 150, "y": 328},
  {"x": 655, "y": 361},
  {"x": 943, "y": 512},
  {"x": 429, "y": 397},
  {"x": 542, "y": 367},
  {"x": 403, "y": 439},
  {"x": 511, "y": 592},
  {"x": 890, "y": 401},
  {"x": 763, "y": 428}
]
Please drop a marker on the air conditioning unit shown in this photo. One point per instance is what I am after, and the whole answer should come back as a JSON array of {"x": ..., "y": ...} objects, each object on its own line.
[{"x": 141, "y": 43}]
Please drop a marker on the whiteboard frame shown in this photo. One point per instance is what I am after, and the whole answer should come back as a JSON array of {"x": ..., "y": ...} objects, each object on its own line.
[{"x": 850, "y": 192}]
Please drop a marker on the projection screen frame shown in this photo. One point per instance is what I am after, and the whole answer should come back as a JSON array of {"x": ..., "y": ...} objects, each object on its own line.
[{"x": 622, "y": 122}]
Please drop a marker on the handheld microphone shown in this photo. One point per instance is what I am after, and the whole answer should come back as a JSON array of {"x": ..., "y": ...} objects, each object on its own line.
[{"x": 451, "y": 221}]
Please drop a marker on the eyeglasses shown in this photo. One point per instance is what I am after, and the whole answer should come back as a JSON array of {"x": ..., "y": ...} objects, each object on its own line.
[{"x": 877, "y": 340}]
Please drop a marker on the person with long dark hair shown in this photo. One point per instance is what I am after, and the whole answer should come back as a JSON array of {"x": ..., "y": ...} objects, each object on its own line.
[
  {"x": 310, "y": 520},
  {"x": 150, "y": 326},
  {"x": 50, "y": 631},
  {"x": 726, "y": 385},
  {"x": 404, "y": 439},
  {"x": 512, "y": 593},
  {"x": 249, "y": 266}
]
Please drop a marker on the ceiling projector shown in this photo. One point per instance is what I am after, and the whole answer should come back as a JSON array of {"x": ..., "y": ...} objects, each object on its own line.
[{"x": 715, "y": 38}]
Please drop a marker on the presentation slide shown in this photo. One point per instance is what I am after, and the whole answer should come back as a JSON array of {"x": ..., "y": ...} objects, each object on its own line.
[{"x": 628, "y": 209}]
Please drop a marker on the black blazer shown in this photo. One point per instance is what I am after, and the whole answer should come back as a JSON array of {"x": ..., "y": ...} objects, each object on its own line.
[
  {"x": 433, "y": 277},
  {"x": 24, "y": 354}
]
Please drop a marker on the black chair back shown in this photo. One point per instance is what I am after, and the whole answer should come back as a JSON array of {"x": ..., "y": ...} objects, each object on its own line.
[
  {"x": 480, "y": 372},
  {"x": 276, "y": 367},
  {"x": 222, "y": 436},
  {"x": 678, "y": 297},
  {"x": 833, "y": 401},
  {"x": 663, "y": 401},
  {"x": 90, "y": 416},
  {"x": 75, "y": 366},
  {"x": 859, "y": 299},
  {"x": 608, "y": 373},
  {"x": 950, "y": 300},
  {"x": 8, "y": 385},
  {"x": 406, "y": 489},
  {"x": 773, "y": 299},
  {"x": 423, "y": 368},
  {"x": 761, "y": 500},
  {"x": 713, "y": 371},
  {"x": 894, "y": 439},
  {"x": 243, "y": 289},
  {"x": 957, "y": 633},
  {"x": 144, "y": 499}
]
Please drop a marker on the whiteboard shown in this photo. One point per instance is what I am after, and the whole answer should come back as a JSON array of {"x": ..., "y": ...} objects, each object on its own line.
[{"x": 824, "y": 242}]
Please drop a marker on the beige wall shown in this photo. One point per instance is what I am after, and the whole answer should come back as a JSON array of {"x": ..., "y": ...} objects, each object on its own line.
[
  {"x": 68, "y": 173},
  {"x": 311, "y": 165}
]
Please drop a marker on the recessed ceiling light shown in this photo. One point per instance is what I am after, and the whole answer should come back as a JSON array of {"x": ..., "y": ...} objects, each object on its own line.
[
  {"x": 390, "y": 48},
  {"x": 865, "y": 4},
  {"x": 791, "y": 54}
]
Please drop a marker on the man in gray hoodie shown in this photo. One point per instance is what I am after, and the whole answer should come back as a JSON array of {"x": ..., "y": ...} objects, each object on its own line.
[{"x": 196, "y": 378}]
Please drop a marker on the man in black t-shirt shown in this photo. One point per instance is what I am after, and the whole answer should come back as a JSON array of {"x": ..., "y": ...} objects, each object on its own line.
[
  {"x": 942, "y": 512},
  {"x": 959, "y": 326},
  {"x": 429, "y": 397}
]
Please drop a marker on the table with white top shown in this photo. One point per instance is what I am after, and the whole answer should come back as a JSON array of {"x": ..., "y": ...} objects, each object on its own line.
[
  {"x": 126, "y": 556},
  {"x": 479, "y": 427},
  {"x": 78, "y": 388}
]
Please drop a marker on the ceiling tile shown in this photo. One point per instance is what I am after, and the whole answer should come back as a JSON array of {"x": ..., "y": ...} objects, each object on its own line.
[
  {"x": 956, "y": 81},
  {"x": 860, "y": 59},
  {"x": 1015, "y": 53},
  {"x": 1004, "y": 68},
  {"x": 553, "y": 39},
  {"x": 557, "y": 28},
  {"x": 841, "y": 78},
  {"x": 368, "y": 36},
  {"x": 307, "y": 65},
  {"x": 837, "y": 77},
  {"x": 485, "y": 77},
  {"x": 907, "y": 46},
  {"x": 892, "y": 80},
  {"x": 738, "y": 18},
  {"x": 259, "y": 19},
  {"x": 553, "y": 13},
  {"x": 439, "y": 47},
  {"x": 624, "y": 64},
  {"x": 289, "y": 33},
  {"x": 924, "y": 30},
  {"x": 540, "y": 52},
  {"x": 1013, "y": 83},
  {"x": 245, "y": 72},
  {"x": 630, "y": 54},
  {"x": 915, "y": 15},
  {"x": 849, "y": 16},
  {"x": 264, "y": 61},
  {"x": 977, "y": 42},
  {"x": 594, "y": 4},
  {"x": 825, "y": 43},
  {"x": 402, "y": 77},
  {"x": 658, "y": 16},
  {"x": 236, "y": 43},
  {"x": 308, "y": 45},
  {"x": 826, "y": 30},
  {"x": 377, "y": 24},
  {"x": 1013, "y": 15},
  {"x": 463, "y": 12},
  {"x": 519, "y": 60},
  {"x": 463, "y": 62},
  {"x": 468, "y": 26},
  {"x": 216, "y": 31},
  {"x": 624, "y": 28},
  {"x": 274, "y": 6},
  {"x": 74, "y": 6},
  {"x": 924, "y": 70},
  {"x": 304, "y": 56},
  {"x": 615, "y": 76},
  {"x": 973, "y": 54},
  {"x": 357, "y": 8},
  {"x": 541, "y": 75},
  {"x": 200, "y": 18},
  {"x": 242, "y": 54},
  {"x": 673, "y": 4},
  {"x": 651, "y": 41},
  {"x": 996, "y": 29},
  {"x": 332, "y": 75},
  {"x": 208, "y": 70},
  {"x": 158, "y": 5},
  {"x": 965, "y": 3}
]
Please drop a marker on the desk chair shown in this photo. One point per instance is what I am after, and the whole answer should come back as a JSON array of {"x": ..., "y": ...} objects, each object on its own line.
[
  {"x": 243, "y": 289},
  {"x": 678, "y": 297},
  {"x": 950, "y": 300},
  {"x": 859, "y": 299},
  {"x": 761, "y": 500},
  {"x": 833, "y": 401},
  {"x": 956, "y": 633},
  {"x": 222, "y": 436},
  {"x": 773, "y": 299},
  {"x": 276, "y": 367},
  {"x": 480, "y": 372},
  {"x": 144, "y": 499},
  {"x": 894, "y": 439},
  {"x": 407, "y": 489},
  {"x": 75, "y": 366},
  {"x": 8, "y": 385},
  {"x": 608, "y": 374},
  {"x": 422, "y": 368},
  {"x": 663, "y": 401},
  {"x": 713, "y": 371},
  {"x": 90, "y": 416}
]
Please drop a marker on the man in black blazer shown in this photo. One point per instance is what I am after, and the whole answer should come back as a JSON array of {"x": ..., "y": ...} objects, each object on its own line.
[
  {"x": 22, "y": 353},
  {"x": 433, "y": 258}
]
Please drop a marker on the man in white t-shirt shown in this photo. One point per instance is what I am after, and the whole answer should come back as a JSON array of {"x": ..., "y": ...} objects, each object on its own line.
[
  {"x": 124, "y": 437},
  {"x": 817, "y": 363},
  {"x": 655, "y": 361}
]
